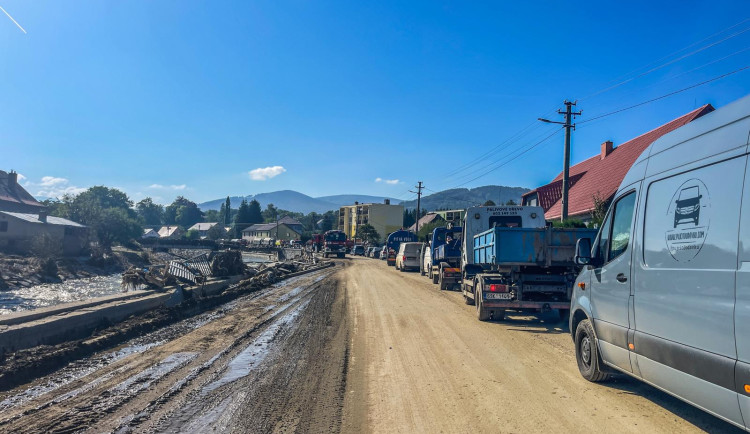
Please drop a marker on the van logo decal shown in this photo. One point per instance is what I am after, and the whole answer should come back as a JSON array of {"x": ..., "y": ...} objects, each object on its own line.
[{"x": 689, "y": 217}]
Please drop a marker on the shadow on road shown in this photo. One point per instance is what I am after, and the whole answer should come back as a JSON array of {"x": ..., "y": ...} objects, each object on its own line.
[
  {"x": 702, "y": 420},
  {"x": 540, "y": 323}
]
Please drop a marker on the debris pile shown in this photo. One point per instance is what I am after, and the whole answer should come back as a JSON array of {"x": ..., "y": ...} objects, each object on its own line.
[
  {"x": 227, "y": 263},
  {"x": 268, "y": 274}
]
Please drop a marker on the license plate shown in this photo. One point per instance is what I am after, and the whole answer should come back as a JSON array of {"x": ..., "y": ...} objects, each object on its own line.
[{"x": 498, "y": 296}]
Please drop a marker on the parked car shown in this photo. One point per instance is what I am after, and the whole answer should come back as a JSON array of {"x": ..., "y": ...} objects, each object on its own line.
[
  {"x": 358, "y": 250},
  {"x": 384, "y": 253},
  {"x": 408, "y": 256},
  {"x": 673, "y": 254}
]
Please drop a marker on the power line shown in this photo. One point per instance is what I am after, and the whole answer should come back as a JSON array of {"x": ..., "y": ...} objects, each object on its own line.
[
  {"x": 666, "y": 95},
  {"x": 674, "y": 60},
  {"x": 512, "y": 159}
]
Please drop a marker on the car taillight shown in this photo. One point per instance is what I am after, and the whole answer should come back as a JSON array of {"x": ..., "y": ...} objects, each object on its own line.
[{"x": 496, "y": 287}]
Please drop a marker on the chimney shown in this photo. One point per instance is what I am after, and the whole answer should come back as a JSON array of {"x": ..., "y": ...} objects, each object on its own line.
[
  {"x": 12, "y": 181},
  {"x": 43, "y": 215},
  {"x": 387, "y": 201},
  {"x": 606, "y": 149}
]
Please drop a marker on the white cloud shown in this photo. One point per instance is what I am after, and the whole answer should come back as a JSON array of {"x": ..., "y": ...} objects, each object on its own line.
[
  {"x": 51, "y": 181},
  {"x": 264, "y": 173},
  {"x": 51, "y": 186},
  {"x": 21, "y": 177},
  {"x": 388, "y": 181},
  {"x": 167, "y": 187}
]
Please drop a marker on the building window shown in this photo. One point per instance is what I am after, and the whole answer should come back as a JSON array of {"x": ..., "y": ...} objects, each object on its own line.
[{"x": 3, "y": 226}]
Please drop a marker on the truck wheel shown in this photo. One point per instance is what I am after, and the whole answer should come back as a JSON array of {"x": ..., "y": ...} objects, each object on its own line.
[
  {"x": 464, "y": 290},
  {"x": 587, "y": 353},
  {"x": 434, "y": 277},
  {"x": 482, "y": 313},
  {"x": 440, "y": 281}
]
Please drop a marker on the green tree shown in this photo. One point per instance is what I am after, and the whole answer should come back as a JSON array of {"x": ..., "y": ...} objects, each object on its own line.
[
  {"x": 216, "y": 232},
  {"x": 182, "y": 212},
  {"x": 192, "y": 234},
  {"x": 149, "y": 212},
  {"x": 511, "y": 202},
  {"x": 106, "y": 211},
  {"x": 368, "y": 233},
  {"x": 255, "y": 215},
  {"x": 330, "y": 220},
  {"x": 410, "y": 216},
  {"x": 115, "y": 226},
  {"x": 270, "y": 213},
  {"x": 488, "y": 203},
  {"x": 227, "y": 211},
  {"x": 600, "y": 209},
  {"x": 242, "y": 219},
  {"x": 212, "y": 215}
]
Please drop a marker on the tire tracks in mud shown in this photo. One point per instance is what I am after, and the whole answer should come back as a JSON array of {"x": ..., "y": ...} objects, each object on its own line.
[{"x": 166, "y": 386}]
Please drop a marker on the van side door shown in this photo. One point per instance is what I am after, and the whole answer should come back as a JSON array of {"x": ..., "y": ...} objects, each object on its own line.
[
  {"x": 742, "y": 308},
  {"x": 684, "y": 287},
  {"x": 611, "y": 280}
]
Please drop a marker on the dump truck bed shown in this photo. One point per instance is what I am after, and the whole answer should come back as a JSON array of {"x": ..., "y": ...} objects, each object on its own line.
[{"x": 545, "y": 247}]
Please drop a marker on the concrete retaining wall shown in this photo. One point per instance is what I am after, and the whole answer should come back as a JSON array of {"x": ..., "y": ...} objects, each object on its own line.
[{"x": 56, "y": 324}]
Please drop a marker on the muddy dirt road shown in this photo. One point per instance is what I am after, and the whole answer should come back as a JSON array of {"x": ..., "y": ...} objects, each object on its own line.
[
  {"x": 355, "y": 348},
  {"x": 422, "y": 362},
  {"x": 269, "y": 361}
]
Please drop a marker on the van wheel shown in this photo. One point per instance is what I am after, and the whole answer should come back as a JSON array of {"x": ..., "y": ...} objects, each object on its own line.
[
  {"x": 434, "y": 277},
  {"x": 587, "y": 353}
]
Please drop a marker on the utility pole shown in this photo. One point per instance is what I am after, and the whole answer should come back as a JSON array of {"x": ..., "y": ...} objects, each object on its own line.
[
  {"x": 419, "y": 188},
  {"x": 568, "y": 125}
]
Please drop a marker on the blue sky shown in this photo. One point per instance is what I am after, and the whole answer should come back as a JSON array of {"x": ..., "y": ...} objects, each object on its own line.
[{"x": 161, "y": 98}]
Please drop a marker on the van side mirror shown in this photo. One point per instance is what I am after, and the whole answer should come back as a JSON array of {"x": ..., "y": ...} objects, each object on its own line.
[{"x": 583, "y": 251}]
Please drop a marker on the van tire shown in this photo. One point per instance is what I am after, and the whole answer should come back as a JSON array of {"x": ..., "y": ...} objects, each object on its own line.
[
  {"x": 435, "y": 277},
  {"x": 587, "y": 353}
]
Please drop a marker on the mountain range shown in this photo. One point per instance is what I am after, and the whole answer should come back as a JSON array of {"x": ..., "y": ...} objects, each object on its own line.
[
  {"x": 460, "y": 198},
  {"x": 295, "y": 201},
  {"x": 457, "y": 198}
]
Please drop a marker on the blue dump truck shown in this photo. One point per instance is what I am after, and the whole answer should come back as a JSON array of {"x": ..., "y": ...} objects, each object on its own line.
[
  {"x": 394, "y": 241},
  {"x": 522, "y": 268},
  {"x": 445, "y": 256}
]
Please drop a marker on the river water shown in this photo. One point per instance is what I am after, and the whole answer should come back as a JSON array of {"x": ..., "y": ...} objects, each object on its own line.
[{"x": 50, "y": 294}]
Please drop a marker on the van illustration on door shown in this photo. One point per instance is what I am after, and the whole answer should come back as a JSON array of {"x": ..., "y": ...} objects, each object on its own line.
[{"x": 688, "y": 206}]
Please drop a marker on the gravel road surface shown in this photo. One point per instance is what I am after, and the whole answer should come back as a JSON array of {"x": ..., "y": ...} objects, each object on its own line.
[{"x": 359, "y": 347}]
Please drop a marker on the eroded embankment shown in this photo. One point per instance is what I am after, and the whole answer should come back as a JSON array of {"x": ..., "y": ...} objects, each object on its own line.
[{"x": 274, "y": 359}]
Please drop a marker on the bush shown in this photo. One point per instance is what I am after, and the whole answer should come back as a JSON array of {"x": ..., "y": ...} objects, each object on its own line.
[
  {"x": 569, "y": 223},
  {"x": 46, "y": 246}
]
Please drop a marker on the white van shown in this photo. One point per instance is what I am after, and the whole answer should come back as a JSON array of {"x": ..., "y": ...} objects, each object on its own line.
[
  {"x": 665, "y": 293},
  {"x": 408, "y": 256}
]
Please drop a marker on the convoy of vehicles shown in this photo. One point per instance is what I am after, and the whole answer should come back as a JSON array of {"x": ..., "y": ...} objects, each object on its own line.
[{"x": 673, "y": 252}]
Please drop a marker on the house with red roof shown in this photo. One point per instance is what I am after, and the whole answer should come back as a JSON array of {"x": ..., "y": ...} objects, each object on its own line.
[
  {"x": 600, "y": 175},
  {"x": 13, "y": 197}
]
